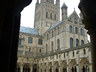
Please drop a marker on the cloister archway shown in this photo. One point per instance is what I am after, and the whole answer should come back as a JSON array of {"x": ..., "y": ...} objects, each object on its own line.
[
  {"x": 84, "y": 65},
  {"x": 73, "y": 66}
]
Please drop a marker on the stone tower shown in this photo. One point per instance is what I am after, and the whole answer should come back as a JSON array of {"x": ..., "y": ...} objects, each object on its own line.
[
  {"x": 64, "y": 12},
  {"x": 47, "y": 13}
]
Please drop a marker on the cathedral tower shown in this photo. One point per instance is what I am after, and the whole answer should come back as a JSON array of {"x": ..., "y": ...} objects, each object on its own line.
[{"x": 47, "y": 13}]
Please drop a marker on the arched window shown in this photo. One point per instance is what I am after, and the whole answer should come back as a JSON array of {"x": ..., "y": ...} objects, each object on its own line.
[
  {"x": 30, "y": 39},
  {"x": 81, "y": 31},
  {"x": 71, "y": 42},
  {"x": 75, "y": 20},
  {"x": 65, "y": 69},
  {"x": 57, "y": 70},
  {"x": 70, "y": 29},
  {"x": 52, "y": 45},
  {"x": 75, "y": 69},
  {"x": 82, "y": 42},
  {"x": 29, "y": 49},
  {"x": 77, "y": 42},
  {"x": 40, "y": 41},
  {"x": 76, "y": 30},
  {"x": 46, "y": 14},
  {"x": 50, "y": 70},
  {"x": 58, "y": 44},
  {"x": 84, "y": 51}
]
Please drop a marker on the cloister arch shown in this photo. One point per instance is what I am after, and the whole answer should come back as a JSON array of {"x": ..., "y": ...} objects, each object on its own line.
[
  {"x": 26, "y": 67},
  {"x": 73, "y": 66},
  {"x": 56, "y": 67},
  {"x": 84, "y": 65},
  {"x": 64, "y": 66}
]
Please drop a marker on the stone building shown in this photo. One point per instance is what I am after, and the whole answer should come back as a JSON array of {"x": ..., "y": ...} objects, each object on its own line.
[{"x": 54, "y": 45}]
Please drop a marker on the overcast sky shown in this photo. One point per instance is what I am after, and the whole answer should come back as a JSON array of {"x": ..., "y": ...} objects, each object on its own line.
[{"x": 27, "y": 15}]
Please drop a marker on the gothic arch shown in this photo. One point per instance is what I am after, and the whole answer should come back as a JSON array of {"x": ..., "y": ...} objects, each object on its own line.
[
  {"x": 84, "y": 65},
  {"x": 64, "y": 66},
  {"x": 72, "y": 66}
]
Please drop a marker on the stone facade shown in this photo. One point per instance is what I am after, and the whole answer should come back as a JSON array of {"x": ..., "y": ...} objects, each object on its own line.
[{"x": 54, "y": 45}]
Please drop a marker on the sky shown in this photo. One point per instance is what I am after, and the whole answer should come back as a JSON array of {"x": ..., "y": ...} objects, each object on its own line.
[{"x": 27, "y": 15}]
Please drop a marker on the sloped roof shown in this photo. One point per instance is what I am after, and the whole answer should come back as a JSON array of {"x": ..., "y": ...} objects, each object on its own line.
[
  {"x": 74, "y": 14},
  {"x": 64, "y": 6},
  {"x": 29, "y": 30},
  {"x": 55, "y": 25}
]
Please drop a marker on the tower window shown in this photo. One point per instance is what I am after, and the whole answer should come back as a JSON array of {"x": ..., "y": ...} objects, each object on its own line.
[
  {"x": 30, "y": 39},
  {"x": 46, "y": 14}
]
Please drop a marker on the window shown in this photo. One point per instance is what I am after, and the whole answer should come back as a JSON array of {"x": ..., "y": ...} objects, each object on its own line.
[
  {"x": 55, "y": 16},
  {"x": 29, "y": 49},
  {"x": 77, "y": 42},
  {"x": 58, "y": 44},
  {"x": 40, "y": 50},
  {"x": 70, "y": 28},
  {"x": 64, "y": 55},
  {"x": 82, "y": 42},
  {"x": 20, "y": 42},
  {"x": 84, "y": 51},
  {"x": 76, "y": 30},
  {"x": 52, "y": 45},
  {"x": 81, "y": 32},
  {"x": 71, "y": 42},
  {"x": 50, "y": 15},
  {"x": 46, "y": 14},
  {"x": 75, "y": 20},
  {"x": 73, "y": 54},
  {"x": 40, "y": 41},
  {"x": 30, "y": 39}
]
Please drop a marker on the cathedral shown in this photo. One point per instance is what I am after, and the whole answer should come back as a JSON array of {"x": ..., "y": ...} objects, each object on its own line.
[{"x": 54, "y": 45}]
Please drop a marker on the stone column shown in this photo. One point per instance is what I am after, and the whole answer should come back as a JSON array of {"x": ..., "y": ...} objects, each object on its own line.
[
  {"x": 21, "y": 68},
  {"x": 88, "y": 9},
  {"x": 31, "y": 68},
  {"x": 52, "y": 66}
]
